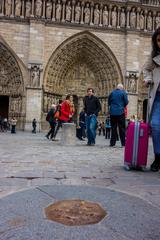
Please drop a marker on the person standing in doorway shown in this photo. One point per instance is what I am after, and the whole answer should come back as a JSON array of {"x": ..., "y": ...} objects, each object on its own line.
[
  {"x": 117, "y": 102},
  {"x": 13, "y": 125},
  {"x": 92, "y": 107}
]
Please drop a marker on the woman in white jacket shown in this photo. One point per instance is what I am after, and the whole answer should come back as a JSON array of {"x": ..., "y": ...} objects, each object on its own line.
[{"x": 152, "y": 75}]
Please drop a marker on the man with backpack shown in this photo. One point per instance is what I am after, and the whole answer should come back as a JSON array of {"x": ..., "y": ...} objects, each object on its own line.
[{"x": 52, "y": 121}]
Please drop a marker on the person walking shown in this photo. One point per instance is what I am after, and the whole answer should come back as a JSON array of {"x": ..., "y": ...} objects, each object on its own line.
[
  {"x": 34, "y": 125},
  {"x": 52, "y": 121},
  {"x": 108, "y": 127},
  {"x": 13, "y": 125},
  {"x": 117, "y": 101},
  {"x": 92, "y": 107},
  {"x": 151, "y": 73}
]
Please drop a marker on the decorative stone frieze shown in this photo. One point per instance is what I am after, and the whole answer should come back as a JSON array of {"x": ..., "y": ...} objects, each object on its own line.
[{"x": 111, "y": 15}]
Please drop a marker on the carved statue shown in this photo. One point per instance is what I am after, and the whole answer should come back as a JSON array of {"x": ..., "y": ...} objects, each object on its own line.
[
  {"x": 141, "y": 20},
  {"x": 38, "y": 8},
  {"x": 149, "y": 22},
  {"x": 105, "y": 16},
  {"x": 158, "y": 20},
  {"x": 122, "y": 18},
  {"x": 96, "y": 15},
  {"x": 77, "y": 13},
  {"x": 35, "y": 76},
  {"x": 68, "y": 12},
  {"x": 132, "y": 85},
  {"x": 18, "y": 8},
  {"x": 58, "y": 11},
  {"x": 48, "y": 9},
  {"x": 87, "y": 14},
  {"x": 8, "y": 7},
  {"x": 28, "y": 8},
  {"x": 133, "y": 18},
  {"x": 114, "y": 17}
]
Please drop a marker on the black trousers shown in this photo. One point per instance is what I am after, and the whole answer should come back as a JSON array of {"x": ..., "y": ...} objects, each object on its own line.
[{"x": 117, "y": 121}]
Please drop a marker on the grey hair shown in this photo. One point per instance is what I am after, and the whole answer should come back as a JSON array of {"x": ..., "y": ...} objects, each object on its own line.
[{"x": 120, "y": 86}]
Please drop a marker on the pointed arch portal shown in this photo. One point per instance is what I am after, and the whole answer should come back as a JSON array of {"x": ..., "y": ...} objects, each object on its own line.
[{"x": 80, "y": 62}]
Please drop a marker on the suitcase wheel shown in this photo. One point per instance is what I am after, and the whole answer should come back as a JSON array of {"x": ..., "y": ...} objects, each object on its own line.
[{"x": 127, "y": 168}]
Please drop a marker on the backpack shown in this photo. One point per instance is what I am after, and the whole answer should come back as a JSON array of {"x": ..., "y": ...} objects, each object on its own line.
[{"x": 48, "y": 117}]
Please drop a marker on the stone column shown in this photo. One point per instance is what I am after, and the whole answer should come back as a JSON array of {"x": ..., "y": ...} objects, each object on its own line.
[
  {"x": 12, "y": 12},
  {"x": 91, "y": 17},
  {"x": 138, "y": 11},
  {"x": 109, "y": 16},
  {"x": 63, "y": 11},
  {"x": 154, "y": 17},
  {"x": 145, "y": 20},
  {"x": 73, "y": 10},
  {"x": 22, "y": 15},
  {"x": 68, "y": 136},
  {"x": 100, "y": 15},
  {"x": 118, "y": 18},
  {"x": 2, "y": 10},
  {"x": 128, "y": 16},
  {"x": 54, "y": 11},
  {"x": 82, "y": 13},
  {"x": 44, "y": 9},
  {"x": 32, "y": 10}
]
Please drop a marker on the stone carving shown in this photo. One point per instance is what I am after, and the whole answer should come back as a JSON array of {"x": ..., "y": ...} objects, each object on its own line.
[
  {"x": 141, "y": 20},
  {"x": 77, "y": 13},
  {"x": 105, "y": 16},
  {"x": 149, "y": 22},
  {"x": 48, "y": 9},
  {"x": 96, "y": 15},
  {"x": 35, "y": 76},
  {"x": 38, "y": 8},
  {"x": 58, "y": 11},
  {"x": 158, "y": 20},
  {"x": 114, "y": 17},
  {"x": 132, "y": 85},
  {"x": 87, "y": 14},
  {"x": 68, "y": 12},
  {"x": 8, "y": 7},
  {"x": 28, "y": 8},
  {"x": 18, "y": 8},
  {"x": 133, "y": 18},
  {"x": 122, "y": 18}
]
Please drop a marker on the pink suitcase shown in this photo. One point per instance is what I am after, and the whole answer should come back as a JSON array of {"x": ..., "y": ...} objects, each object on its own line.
[{"x": 136, "y": 147}]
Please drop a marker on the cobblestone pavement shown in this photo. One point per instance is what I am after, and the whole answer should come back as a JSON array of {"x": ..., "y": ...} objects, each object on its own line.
[{"x": 29, "y": 160}]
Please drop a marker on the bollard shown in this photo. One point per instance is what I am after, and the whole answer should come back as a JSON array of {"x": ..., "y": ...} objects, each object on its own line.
[{"x": 68, "y": 136}]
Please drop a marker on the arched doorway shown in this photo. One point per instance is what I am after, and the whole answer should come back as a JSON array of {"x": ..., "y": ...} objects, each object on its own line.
[
  {"x": 11, "y": 84},
  {"x": 80, "y": 62}
]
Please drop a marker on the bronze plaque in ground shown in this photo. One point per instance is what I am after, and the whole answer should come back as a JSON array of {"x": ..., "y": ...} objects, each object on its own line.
[{"x": 75, "y": 212}]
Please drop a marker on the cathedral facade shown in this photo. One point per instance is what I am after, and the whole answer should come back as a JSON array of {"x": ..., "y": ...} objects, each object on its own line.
[{"x": 51, "y": 48}]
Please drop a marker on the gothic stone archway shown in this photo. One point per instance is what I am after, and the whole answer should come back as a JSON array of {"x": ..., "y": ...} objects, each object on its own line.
[
  {"x": 11, "y": 82},
  {"x": 80, "y": 62}
]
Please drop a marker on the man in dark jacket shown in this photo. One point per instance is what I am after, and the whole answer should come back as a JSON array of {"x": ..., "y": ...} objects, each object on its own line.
[
  {"x": 117, "y": 102},
  {"x": 92, "y": 107}
]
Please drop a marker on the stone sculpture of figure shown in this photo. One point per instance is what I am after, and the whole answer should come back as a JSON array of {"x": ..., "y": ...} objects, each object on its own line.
[
  {"x": 149, "y": 22},
  {"x": 133, "y": 18},
  {"x": 68, "y": 12},
  {"x": 122, "y": 18},
  {"x": 96, "y": 15},
  {"x": 158, "y": 20},
  {"x": 132, "y": 85},
  {"x": 105, "y": 16},
  {"x": 35, "y": 76},
  {"x": 141, "y": 20},
  {"x": 87, "y": 14},
  {"x": 48, "y": 9},
  {"x": 77, "y": 13},
  {"x": 8, "y": 7},
  {"x": 114, "y": 17},
  {"x": 28, "y": 8},
  {"x": 18, "y": 8},
  {"x": 38, "y": 8},
  {"x": 58, "y": 11}
]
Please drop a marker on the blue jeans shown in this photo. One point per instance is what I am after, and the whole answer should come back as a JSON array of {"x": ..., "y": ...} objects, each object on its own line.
[
  {"x": 91, "y": 123},
  {"x": 155, "y": 124}
]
